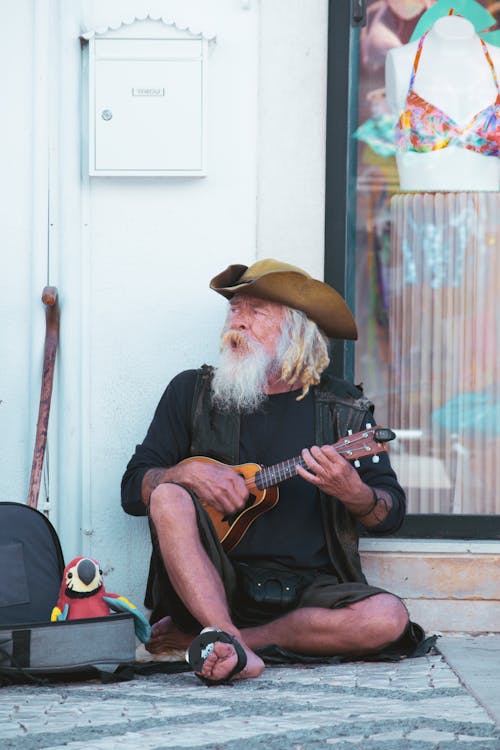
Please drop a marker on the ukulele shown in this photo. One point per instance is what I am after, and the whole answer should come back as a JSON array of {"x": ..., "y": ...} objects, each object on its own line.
[{"x": 262, "y": 481}]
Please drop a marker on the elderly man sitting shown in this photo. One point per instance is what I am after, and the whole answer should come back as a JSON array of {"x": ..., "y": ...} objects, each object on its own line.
[{"x": 232, "y": 558}]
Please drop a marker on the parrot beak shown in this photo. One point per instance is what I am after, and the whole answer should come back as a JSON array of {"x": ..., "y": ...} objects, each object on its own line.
[{"x": 86, "y": 571}]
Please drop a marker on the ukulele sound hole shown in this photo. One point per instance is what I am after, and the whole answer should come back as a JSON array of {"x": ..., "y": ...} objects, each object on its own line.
[
  {"x": 250, "y": 501},
  {"x": 231, "y": 519}
]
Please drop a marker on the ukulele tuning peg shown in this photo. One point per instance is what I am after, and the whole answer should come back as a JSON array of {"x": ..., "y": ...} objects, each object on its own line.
[
  {"x": 375, "y": 459},
  {"x": 357, "y": 464},
  {"x": 349, "y": 432},
  {"x": 368, "y": 425}
]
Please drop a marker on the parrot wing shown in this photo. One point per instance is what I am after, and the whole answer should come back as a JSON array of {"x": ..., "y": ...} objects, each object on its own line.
[{"x": 121, "y": 604}]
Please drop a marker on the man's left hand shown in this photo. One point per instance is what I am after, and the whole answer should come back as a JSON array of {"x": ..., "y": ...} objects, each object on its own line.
[{"x": 334, "y": 475}]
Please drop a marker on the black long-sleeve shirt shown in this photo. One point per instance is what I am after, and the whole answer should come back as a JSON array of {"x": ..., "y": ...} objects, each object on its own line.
[{"x": 292, "y": 531}]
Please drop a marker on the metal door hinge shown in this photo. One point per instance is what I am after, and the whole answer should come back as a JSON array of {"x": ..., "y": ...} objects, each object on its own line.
[{"x": 358, "y": 12}]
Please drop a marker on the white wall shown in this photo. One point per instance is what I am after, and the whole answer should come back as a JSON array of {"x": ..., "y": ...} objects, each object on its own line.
[
  {"x": 16, "y": 277},
  {"x": 132, "y": 257},
  {"x": 293, "y": 38}
]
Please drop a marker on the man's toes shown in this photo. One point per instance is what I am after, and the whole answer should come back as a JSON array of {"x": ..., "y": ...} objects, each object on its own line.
[{"x": 220, "y": 662}]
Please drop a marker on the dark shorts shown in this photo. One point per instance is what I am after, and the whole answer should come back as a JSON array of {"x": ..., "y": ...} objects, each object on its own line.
[{"x": 315, "y": 589}]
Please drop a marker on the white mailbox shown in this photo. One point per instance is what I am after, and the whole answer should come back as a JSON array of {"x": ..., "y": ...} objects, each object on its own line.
[{"x": 147, "y": 100}]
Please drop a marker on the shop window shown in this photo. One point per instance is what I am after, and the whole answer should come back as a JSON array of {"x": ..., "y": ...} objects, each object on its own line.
[{"x": 421, "y": 264}]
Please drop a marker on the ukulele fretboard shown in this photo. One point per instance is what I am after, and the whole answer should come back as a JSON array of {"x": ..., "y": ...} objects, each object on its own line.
[
  {"x": 351, "y": 447},
  {"x": 273, "y": 475}
]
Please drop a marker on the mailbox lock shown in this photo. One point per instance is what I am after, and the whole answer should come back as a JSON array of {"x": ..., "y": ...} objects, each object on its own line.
[{"x": 106, "y": 114}]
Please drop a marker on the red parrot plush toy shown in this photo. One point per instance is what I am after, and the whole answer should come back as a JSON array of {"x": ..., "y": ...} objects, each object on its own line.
[{"x": 82, "y": 595}]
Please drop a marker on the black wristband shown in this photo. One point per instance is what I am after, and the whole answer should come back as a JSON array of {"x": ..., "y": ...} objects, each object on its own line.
[{"x": 372, "y": 507}]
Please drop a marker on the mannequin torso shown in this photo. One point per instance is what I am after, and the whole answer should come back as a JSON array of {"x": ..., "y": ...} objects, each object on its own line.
[{"x": 454, "y": 75}]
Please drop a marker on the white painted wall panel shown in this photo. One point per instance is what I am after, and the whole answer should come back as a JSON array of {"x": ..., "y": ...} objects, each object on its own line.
[
  {"x": 293, "y": 37},
  {"x": 20, "y": 344}
]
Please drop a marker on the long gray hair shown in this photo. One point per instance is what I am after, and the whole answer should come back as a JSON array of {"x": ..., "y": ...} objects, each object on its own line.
[{"x": 303, "y": 350}]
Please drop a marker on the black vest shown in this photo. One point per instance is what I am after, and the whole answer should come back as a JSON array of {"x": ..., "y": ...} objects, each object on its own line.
[{"x": 339, "y": 407}]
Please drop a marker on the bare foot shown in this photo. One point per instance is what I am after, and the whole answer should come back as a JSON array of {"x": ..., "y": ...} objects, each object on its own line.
[
  {"x": 223, "y": 659},
  {"x": 165, "y": 637}
]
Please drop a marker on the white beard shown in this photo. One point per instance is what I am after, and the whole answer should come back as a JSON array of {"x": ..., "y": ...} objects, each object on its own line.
[{"x": 241, "y": 378}]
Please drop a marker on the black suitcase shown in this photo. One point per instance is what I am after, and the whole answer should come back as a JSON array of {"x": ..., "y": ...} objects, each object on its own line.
[{"x": 31, "y": 645}]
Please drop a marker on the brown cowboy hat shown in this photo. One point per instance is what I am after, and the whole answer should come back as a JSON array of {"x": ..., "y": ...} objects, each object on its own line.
[{"x": 281, "y": 282}]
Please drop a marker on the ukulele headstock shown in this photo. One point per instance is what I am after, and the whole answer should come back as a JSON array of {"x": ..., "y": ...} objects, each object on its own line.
[{"x": 368, "y": 442}]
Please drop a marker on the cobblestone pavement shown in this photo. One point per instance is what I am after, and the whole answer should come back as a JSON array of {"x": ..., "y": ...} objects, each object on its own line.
[{"x": 417, "y": 703}]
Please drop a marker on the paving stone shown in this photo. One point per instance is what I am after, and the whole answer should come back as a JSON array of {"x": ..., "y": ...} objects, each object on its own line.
[
  {"x": 351, "y": 740},
  {"x": 411, "y": 704},
  {"x": 429, "y": 735},
  {"x": 388, "y": 737},
  {"x": 468, "y": 738}
]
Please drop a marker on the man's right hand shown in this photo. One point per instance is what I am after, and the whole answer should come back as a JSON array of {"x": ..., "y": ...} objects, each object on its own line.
[
  {"x": 218, "y": 485},
  {"x": 215, "y": 483}
]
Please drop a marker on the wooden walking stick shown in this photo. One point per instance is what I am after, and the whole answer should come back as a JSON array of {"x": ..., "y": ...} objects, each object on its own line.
[{"x": 49, "y": 299}]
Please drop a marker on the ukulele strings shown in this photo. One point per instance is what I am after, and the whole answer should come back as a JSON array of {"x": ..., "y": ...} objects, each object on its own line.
[{"x": 348, "y": 448}]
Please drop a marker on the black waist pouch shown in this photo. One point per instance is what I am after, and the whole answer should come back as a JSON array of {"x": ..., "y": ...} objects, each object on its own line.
[{"x": 272, "y": 588}]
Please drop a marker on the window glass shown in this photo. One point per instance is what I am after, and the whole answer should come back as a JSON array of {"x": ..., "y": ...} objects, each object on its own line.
[{"x": 427, "y": 263}]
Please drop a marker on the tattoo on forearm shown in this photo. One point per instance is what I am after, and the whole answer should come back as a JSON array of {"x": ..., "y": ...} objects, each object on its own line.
[{"x": 152, "y": 478}]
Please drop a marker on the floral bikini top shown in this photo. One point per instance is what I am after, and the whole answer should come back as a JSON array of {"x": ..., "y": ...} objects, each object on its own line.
[{"x": 424, "y": 127}]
